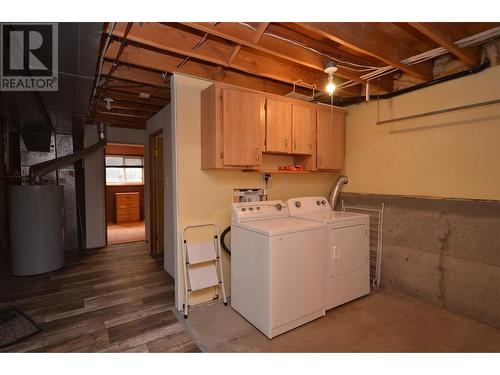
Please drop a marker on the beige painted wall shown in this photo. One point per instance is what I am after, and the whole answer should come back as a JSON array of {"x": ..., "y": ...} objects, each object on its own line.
[
  {"x": 206, "y": 195},
  {"x": 453, "y": 155}
]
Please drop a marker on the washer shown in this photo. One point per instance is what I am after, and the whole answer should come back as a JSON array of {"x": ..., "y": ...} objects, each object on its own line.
[
  {"x": 277, "y": 267},
  {"x": 347, "y": 248}
]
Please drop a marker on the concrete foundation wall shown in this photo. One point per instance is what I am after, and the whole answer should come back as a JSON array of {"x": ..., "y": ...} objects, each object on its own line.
[{"x": 445, "y": 251}]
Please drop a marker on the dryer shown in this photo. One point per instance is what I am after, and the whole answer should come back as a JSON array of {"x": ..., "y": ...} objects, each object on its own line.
[
  {"x": 277, "y": 267},
  {"x": 347, "y": 253}
]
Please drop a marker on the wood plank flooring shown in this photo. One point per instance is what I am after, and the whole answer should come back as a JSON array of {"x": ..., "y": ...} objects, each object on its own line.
[
  {"x": 117, "y": 299},
  {"x": 126, "y": 232}
]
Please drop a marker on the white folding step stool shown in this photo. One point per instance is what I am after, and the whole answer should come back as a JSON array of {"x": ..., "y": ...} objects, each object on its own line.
[{"x": 202, "y": 265}]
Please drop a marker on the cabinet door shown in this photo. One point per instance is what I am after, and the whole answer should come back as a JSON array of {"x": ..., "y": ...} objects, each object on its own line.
[
  {"x": 278, "y": 126},
  {"x": 331, "y": 142},
  {"x": 303, "y": 129},
  {"x": 242, "y": 127}
]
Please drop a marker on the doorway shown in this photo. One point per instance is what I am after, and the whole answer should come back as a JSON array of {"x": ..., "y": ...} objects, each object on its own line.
[
  {"x": 157, "y": 203},
  {"x": 124, "y": 164}
]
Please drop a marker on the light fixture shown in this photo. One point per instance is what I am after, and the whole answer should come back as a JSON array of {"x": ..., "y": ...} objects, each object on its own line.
[
  {"x": 330, "y": 68},
  {"x": 144, "y": 95},
  {"x": 108, "y": 103}
]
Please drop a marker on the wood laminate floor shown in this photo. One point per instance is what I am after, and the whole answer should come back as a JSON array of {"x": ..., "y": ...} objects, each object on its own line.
[
  {"x": 126, "y": 232},
  {"x": 117, "y": 299}
]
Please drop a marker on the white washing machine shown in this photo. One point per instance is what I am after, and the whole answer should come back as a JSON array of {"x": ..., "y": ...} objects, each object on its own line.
[
  {"x": 277, "y": 267},
  {"x": 347, "y": 248}
]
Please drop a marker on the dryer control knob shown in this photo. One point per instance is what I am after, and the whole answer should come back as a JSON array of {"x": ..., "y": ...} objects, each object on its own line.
[
  {"x": 318, "y": 202},
  {"x": 279, "y": 207},
  {"x": 323, "y": 202},
  {"x": 298, "y": 204}
]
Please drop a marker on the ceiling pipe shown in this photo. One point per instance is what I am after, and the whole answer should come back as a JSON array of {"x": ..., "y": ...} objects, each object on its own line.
[
  {"x": 344, "y": 101},
  {"x": 37, "y": 171}
]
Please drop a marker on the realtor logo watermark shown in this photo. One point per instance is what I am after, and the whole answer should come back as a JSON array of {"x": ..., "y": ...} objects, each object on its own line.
[{"x": 29, "y": 57}]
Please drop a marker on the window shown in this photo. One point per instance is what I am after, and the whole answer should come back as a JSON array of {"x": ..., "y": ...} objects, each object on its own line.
[{"x": 124, "y": 170}]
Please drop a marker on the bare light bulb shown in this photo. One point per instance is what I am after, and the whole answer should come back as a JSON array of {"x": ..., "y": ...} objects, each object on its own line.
[{"x": 330, "y": 87}]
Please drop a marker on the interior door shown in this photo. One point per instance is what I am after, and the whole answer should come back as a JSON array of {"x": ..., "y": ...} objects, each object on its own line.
[
  {"x": 348, "y": 250},
  {"x": 303, "y": 129},
  {"x": 278, "y": 126},
  {"x": 156, "y": 193},
  {"x": 243, "y": 124},
  {"x": 331, "y": 142},
  {"x": 160, "y": 193}
]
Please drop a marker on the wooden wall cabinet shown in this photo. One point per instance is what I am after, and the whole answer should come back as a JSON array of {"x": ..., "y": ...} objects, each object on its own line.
[
  {"x": 232, "y": 128},
  {"x": 278, "y": 126},
  {"x": 303, "y": 129},
  {"x": 239, "y": 125},
  {"x": 330, "y": 138}
]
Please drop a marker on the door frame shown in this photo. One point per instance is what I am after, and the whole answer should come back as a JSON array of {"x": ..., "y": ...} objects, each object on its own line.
[
  {"x": 143, "y": 201},
  {"x": 153, "y": 203}
]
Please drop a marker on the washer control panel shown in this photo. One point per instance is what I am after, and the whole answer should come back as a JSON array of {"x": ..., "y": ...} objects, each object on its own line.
[
  {"x": 306, "y": 205},
  {"x": 249, "y": 211}
]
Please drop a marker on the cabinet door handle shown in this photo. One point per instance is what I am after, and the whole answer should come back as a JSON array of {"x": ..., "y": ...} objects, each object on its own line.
[
  {"x": 319, "y": 162},
  {"x": 286, "y": 142},
  {"x": 295, "y": 144},
  {"x": 257, "y": 154}
]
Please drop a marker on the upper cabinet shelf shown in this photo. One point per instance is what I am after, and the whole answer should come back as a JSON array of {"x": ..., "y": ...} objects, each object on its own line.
[{"x": 238, "y": 126}]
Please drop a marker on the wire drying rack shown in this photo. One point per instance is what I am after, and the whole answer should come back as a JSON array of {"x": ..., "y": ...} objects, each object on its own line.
[
  {"x": 297, "y": 95},
  {"x": 376, "y": 230}
]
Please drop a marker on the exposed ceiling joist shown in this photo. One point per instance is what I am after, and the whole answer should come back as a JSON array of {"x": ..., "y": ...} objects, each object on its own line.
[
  {"x": 177, "y": 41},
  {"x": 443, "y": 35},
  {"x": 165, "y": 62},
  {"x": 259, "y": 32},
  {"x": 123, "y": 95},
  {"x": 118, "y": 121},
  {"x": 243, "y": 35},
  {"x": 368, "y": 39},
  {"x": 136, "y": 88},
  {"x": 135, "y": 74}
]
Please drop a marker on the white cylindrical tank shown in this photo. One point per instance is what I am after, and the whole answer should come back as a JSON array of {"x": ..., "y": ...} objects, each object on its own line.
[{"x": 36, "y": 228}]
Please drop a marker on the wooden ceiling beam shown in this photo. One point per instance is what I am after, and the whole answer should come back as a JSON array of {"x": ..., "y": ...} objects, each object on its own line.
[
  {"x": 124, "y": 110},
  {"x": 133, "y": 88},
  {"x": 243, "y": 35},
  {"x": 126, "y": 96},
  {"x": 443, "y": 35},
  {"x": 122, "y": 115},
  {"x": 166, "y": 62},
  {"x": 117, "y": 121},
  {"x": 134, "y": 74},
  {"x": 171, "y": 39},
  {"x": 366, "y": 38},
  {"x": 259, "y": 32}
]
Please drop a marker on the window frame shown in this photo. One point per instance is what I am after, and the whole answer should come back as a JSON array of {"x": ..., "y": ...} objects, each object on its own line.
[{"x": 124, "y": 167}]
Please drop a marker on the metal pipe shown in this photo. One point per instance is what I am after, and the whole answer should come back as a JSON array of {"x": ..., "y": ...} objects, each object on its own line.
[
  {"x": 446, "y": 110},
  {"x": 334, "y": 194},
  {"x": 358, "y": 99},
  {"x": 37, "y": 171}
]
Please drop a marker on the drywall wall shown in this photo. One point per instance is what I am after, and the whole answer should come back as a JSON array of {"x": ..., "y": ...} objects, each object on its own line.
[
  {"x": 163, "y": 120},
  {"x": 445, "y": 251},
  {"x": 95, "y": 204},
  {"x": 448, "y": 155},
  {"x": 206, "y": 195}
]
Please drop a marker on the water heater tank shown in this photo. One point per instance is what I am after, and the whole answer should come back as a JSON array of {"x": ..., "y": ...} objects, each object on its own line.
[{"x": 36, "y": 229}]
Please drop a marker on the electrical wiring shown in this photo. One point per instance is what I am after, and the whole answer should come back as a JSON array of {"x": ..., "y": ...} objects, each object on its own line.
[
  {"x": 364, "y": 67},
  {"x": 377, "y": 72}
]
